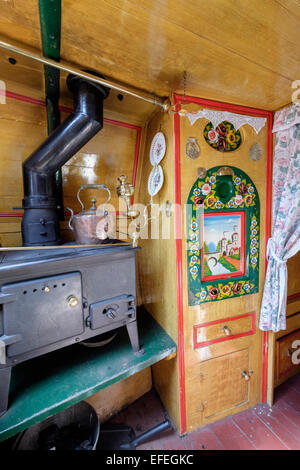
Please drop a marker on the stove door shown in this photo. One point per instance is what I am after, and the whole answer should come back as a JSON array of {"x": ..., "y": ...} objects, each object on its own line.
[
  {"x": 46, "y": 310},
  {"x": 110, "y": 311}
]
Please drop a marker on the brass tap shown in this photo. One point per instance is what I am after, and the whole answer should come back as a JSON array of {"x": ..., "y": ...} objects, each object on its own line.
[{"x": 126, "y": 191}]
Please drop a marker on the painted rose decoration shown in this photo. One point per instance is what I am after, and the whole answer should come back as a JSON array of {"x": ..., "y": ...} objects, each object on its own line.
[
  {"x": 224, "y": 137},
  {"x": 238, "y": 200},
  {"x": 206, "y": 189},
  {"x": 213, "y": 136}
]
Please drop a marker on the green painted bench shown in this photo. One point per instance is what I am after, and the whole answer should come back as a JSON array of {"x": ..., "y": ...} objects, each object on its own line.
[{"x": 46, "y": 385}]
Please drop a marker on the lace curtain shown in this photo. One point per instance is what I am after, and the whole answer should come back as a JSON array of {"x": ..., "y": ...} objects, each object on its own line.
[
  {"x": 285, "y": 241},
  {"x": 238, "y": 120}
]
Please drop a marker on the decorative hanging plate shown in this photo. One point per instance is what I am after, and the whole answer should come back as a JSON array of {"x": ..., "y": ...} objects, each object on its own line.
[
  {"x": 224, "y": 137},
  {"x": 158, "y": 148},
  {"x": 155, "y": 180}
]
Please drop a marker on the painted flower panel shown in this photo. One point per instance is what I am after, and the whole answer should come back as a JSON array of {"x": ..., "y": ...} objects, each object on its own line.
[
  {"x": 224, "y": 137},
  {"x": 244, "y": 198}
]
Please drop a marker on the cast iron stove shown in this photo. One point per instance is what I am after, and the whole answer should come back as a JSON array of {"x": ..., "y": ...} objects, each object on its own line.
[{"x": 53, "y": 297}]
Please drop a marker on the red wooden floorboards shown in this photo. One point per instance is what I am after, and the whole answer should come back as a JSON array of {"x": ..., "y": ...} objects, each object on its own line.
[{"x": 260, "y": 428}]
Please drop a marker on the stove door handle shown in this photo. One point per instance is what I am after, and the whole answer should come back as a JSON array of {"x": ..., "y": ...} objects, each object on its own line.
[
  {"x": 6, "y": 340},
  {"x": 10, "y": 339},
  {"x": 5, "y": 298}
]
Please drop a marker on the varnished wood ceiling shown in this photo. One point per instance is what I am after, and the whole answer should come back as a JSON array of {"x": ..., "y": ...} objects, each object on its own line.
[{"x": 240, "y": 51}]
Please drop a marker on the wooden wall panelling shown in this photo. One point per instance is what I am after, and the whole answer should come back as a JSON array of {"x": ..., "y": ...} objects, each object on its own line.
[
  {"x": 25, "y": 76},
  {"x": 166, "y": 381},
  {"x": 293, "y": 276},
  {"x": 231, "y": 307},
  {"x": 135, "y": 200},
  {"x": 156, "y": 262},
  {"x": 284, "y": 366},
  {"x": 292, "y": 325},
  {"x": 10, "y": 234},
  {"x": 22, "y": 130},
  {"x": 113, "y": 399},
  {"x": 156, "y": 258},
  {"x": 293, "y": 305},
  {"x": 20, "y": 20}
]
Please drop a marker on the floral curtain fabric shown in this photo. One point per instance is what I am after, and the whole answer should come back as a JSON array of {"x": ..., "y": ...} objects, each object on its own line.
[{"x": 285, "y": 241}]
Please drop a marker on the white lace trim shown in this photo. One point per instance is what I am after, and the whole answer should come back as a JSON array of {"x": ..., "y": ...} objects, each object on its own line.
[{"x": 238, "y": 120}]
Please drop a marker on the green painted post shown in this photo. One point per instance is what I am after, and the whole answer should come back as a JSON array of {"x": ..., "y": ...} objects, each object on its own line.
[{"x": 50, "y": 21}]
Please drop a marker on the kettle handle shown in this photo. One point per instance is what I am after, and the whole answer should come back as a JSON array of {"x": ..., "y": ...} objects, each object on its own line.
[
  {"x": 71, "y": 218},
  {"x": 93, "y": 186}
]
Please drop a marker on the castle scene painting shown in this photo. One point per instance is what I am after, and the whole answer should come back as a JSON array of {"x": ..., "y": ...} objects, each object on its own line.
[{"x": 223, "y": 245}]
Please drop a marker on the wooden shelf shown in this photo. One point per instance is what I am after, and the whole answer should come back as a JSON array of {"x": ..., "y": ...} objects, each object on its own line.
[{"x": 50, "y": 383}]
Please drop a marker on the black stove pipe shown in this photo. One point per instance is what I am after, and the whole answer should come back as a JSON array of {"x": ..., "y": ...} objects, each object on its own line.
[{"x": 40, "y": 223}]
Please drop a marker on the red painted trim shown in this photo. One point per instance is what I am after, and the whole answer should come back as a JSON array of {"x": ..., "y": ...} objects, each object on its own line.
[
  {"x": 136, "y": 157},
  {"x": 293, "y": 297},
  {"x": 65, "y": 109},
  {"x": 177, "y": 98},
  {"x": 225, "y": 338},
  {"x": 114, "y": 122},
  {"x": 11, "y": 214},
  {"x": 282, "y": 374},
  {"x": 267, "y": 236},
  {"x": 26, "y": 99},
  {"x": 121, "y": 124},
  {"x": 221, "y": 105},
  {"x": 178, "y": 246},
  {"x": 243, "y": 258}
]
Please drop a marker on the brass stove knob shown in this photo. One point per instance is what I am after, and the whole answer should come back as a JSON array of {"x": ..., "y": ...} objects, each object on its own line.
[{"x": 72, "y": 301}]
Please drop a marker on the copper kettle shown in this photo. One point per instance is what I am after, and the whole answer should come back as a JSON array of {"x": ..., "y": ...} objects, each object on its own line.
[{"x": 91, "y": 226}]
